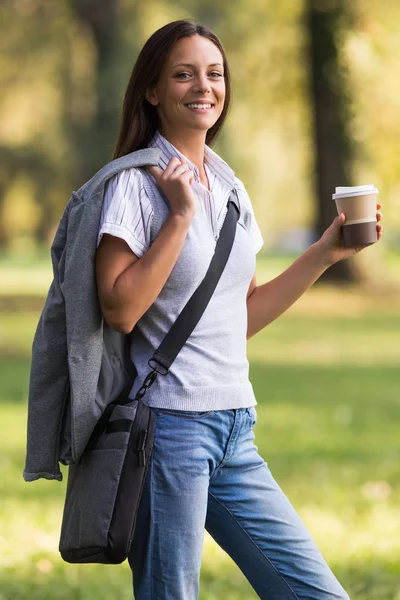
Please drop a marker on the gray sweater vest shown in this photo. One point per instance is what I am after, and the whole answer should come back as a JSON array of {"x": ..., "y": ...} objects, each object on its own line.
[{"x": 212, "y": 371}]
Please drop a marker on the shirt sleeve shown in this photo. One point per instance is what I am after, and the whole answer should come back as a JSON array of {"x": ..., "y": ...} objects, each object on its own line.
[
  {"x": 249, "y": 218},
  {"x": 127, "y": 212}
]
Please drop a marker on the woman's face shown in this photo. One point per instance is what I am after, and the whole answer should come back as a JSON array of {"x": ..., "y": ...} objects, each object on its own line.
[{"x": 193, "y": 74}]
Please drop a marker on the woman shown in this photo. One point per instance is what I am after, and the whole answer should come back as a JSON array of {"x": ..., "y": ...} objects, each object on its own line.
[{"x": 157, "y": 234}]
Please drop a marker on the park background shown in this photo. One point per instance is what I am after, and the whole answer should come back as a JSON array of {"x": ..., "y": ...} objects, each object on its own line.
[{"x": 316, "y": 103}]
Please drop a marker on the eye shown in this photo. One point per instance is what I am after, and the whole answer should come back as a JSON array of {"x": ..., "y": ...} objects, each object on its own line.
[
  {"x": 217, "y": 74},
  {"x": 179, "y": 75}
]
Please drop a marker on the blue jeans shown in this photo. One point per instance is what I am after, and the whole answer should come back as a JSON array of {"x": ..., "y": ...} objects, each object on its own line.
[{"x": 205, "y": 472}]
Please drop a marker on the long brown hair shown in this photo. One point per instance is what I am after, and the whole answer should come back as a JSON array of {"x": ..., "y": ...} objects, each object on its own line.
[{"x": 140, "y": 120}]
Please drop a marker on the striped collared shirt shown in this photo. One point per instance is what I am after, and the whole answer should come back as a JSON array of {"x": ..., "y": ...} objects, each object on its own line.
[{"x": 127, "y": 211}]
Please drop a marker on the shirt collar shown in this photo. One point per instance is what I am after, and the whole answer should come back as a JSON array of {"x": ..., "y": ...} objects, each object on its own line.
[{"x": 213, "y": 161}]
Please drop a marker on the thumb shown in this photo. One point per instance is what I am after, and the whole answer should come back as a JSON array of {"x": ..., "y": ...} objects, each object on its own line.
[
  {"x": 340, "y": 219},
  {"x": 155, "y": 171}
]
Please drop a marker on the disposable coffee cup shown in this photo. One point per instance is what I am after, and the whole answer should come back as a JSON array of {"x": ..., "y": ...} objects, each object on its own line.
[{"x": 358, "y": 203}]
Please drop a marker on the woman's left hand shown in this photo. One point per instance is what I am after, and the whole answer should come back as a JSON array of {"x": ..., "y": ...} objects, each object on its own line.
[{"x": 331, "y": 242}]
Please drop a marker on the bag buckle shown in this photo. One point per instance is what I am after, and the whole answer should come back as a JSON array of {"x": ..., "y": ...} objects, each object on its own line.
[
  {"x": 155, "y": 365},
  {"x": 157, "y": 369},
  {"x": 148, "y": 382}
]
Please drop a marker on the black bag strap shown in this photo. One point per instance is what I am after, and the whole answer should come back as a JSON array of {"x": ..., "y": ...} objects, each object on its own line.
[{"x": 192, "y": 312}]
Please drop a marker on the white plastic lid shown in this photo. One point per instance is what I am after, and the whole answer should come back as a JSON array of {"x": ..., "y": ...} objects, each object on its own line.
[{"x": 355, "y": 190}]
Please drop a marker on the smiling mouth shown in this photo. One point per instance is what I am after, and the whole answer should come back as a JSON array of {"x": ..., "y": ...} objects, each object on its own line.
[{"x": 200, "y": 107}]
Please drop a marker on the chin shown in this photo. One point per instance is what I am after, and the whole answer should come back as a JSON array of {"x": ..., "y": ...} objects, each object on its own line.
[{"x": 204, "y": 126}]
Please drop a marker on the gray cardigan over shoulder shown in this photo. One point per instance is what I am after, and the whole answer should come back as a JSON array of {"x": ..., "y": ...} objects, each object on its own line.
[{"x": 79, "y": 364}]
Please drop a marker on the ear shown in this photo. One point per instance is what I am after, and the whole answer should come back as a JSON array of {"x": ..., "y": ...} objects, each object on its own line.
[{"x": 151, "y": 96}]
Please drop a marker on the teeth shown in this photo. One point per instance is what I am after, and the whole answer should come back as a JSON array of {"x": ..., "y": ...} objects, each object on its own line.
[{"x": 199, "y": 106}]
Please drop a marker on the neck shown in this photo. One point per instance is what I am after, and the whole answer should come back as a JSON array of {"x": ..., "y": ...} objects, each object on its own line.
[{"x": 190, "y": 144}]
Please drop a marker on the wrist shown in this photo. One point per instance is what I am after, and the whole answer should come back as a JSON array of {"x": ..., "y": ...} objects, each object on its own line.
[
  {"x": 182, "y": 219},
  {"x": 319, "y": 256}
]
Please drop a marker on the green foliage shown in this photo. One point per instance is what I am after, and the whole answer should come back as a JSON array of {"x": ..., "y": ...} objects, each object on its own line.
[{"x": 326, "y": 380}]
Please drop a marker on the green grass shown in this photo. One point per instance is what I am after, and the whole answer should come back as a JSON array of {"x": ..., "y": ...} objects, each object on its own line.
[{"x": 327, "y": 382}]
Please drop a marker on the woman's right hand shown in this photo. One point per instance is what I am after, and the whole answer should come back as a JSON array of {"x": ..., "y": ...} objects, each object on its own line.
[{"x": 176, "y": 184}]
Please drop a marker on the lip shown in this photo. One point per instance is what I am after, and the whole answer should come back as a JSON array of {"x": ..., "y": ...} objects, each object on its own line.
[{"x": 200, "y": 102}]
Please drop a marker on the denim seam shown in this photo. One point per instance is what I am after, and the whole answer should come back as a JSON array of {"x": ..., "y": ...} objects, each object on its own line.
[
  {"x": 151, "y": 518},
  {"x": 258, "y": 548}
]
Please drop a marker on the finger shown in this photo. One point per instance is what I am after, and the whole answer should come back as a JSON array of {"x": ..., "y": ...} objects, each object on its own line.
[
  {"x": 378, "y": 206},
  {"x": 186, "y": 162},
  {"x": 189, "y": 175},
  {"x": 183, "y": 161},
  {"x": 182, "y": 168},
  {"x": 183, "y": 175},
  {"x": 172, "y": 165},
  {"x": 378, "y": 216},
  {"x": 155, "y": 171},
  {"x": 340, "y": 219}
]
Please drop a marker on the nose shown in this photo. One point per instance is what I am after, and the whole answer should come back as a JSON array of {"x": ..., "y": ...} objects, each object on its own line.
[{"x": 202, "y": 83}]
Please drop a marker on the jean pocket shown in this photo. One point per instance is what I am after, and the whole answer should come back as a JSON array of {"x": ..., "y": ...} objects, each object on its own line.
[
  {"x": 185, "y": 414},
  {"x": 251, "y": 411}
]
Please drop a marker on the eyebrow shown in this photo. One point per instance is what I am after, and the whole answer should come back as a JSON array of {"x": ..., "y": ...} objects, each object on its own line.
[{"x": 190, "y": 65}]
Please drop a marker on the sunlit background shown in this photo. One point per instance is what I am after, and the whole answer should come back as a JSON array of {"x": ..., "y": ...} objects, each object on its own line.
[{"x": 326, "y": 374}]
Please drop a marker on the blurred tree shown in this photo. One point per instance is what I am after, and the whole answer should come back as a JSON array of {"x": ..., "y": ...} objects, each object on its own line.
[
  {"x": 92, "y": 136},
  {"x": 334, "y": 148},
  {"x": 30, "y": 143},
  {"x": 64, "y": 67},
  {"x": 15, "y": 165}
]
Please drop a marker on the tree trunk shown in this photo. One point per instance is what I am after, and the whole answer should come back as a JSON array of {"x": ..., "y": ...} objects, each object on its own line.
[
  {"x": 332, "y": 140},
  {"x": 94, "y": 140}
]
